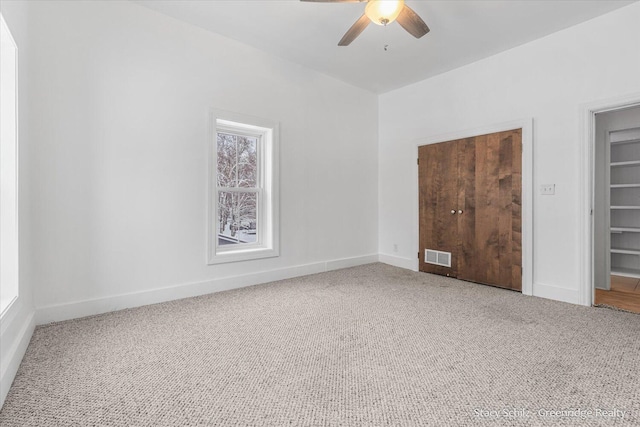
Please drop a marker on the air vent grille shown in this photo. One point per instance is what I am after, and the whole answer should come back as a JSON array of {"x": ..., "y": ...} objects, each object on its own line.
[{"x": 437, "y": 257}]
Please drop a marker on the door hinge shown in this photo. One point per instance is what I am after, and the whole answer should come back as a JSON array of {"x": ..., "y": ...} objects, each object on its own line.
[{"x": 418, "y": 255}]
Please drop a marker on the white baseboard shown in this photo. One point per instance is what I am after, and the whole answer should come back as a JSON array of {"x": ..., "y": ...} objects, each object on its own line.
[
  {"x": 17, "y": 328},
  {"x": 337, "y": 264},
  {"x": 541, "y": 290},
  {"x": 74, "y": 310},
  {"x": 556, "y": 293},
  {"x": 396, "y": 261}
]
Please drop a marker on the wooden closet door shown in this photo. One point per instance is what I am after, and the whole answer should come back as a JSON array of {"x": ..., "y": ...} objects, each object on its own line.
[
  {"x": 490, "y": 171},
  {"x": 438, "y": 183}
]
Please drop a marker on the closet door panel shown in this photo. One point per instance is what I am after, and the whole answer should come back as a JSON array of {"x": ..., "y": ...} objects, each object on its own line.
[
  {"x": 505, "y": 218},
  {"x": 485, "y": 246},
  {"x": 466, "y": 203},
  {"x": 490, "y": 223},
  {"x": 438, "y": 182},
  {"x": 516, "y": 210}
]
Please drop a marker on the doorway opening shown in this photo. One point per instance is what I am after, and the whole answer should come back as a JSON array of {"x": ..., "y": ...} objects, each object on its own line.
[{"x": 616, "y": 208}]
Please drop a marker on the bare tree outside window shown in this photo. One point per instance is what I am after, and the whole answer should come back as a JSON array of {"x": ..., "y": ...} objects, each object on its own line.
[
  {"x": 237, "y": 181},
  {"x": 243, "y": 209}
]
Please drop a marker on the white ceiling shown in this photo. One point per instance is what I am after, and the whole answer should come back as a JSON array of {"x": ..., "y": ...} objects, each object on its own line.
[{"x": 308, "y": 33}]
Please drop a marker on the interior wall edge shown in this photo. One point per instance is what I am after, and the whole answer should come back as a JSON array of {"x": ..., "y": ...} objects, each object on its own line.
[
  {"x": 91, "y": 307},
  {"x": 18, "y": 325}
]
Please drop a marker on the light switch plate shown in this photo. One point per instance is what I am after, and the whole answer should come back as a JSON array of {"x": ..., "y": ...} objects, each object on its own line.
[{"x": 548, "y": 189}]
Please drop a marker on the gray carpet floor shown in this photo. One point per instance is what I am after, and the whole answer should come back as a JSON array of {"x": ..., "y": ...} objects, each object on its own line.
[{"x": 367, "y": 346}]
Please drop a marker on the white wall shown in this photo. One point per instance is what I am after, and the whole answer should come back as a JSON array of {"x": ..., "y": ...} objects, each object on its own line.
[
  {"x": 17, "y": 323},
  {"x": 548, "y": 79},
  {"x": 121, "y": 123}
]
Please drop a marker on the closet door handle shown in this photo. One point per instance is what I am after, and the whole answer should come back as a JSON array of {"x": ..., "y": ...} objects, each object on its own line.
[
  {"x": 459, "y": 211},
  {"x": 453, "y": 211}
]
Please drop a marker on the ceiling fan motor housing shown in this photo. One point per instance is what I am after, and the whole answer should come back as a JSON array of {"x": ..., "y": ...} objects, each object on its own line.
[{"x": 383, "y": 12}]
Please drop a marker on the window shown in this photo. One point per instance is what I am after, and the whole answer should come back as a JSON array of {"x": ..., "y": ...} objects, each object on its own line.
[
  {"x": 243, "y": 217},
  {"x": 8, "y": 168}
]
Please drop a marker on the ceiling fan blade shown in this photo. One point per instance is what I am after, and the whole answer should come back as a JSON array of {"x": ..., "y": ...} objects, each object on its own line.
[
  {"x": 354, "y": 31},
  {"x": 410, "y": 21}
]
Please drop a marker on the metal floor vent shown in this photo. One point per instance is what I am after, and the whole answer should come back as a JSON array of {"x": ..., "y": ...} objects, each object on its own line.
[{"x": 437, "y": 257}]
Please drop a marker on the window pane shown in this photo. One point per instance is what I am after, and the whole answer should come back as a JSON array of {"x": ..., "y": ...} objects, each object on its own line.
[
  {"x": 237, "y": 218},
  {"x": 247, "y": 161},
  {"x": 247, "y": 210},
  {"x": 227, "y": 160}
]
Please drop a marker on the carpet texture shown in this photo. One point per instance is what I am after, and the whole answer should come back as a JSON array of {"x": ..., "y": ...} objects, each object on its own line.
[{"x": 372, "y": 345}]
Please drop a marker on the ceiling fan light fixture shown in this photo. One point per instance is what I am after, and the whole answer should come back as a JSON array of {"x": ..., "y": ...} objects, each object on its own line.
[{"x": 383, "y": 12}]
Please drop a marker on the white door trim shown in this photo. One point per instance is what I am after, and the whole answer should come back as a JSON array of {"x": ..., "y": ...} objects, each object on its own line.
[
  {"x": 526, "y": 125},
  {"x": 587, "y": 169}
]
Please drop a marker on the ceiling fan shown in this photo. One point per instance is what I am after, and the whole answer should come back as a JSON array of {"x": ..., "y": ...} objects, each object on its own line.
[{"x": 382, "y": 12}]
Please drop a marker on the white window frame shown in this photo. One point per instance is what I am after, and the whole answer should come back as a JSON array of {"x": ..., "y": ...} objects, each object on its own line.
[
  {"x": 267, "y": 188},
  {"x": 9, "y": 243}
]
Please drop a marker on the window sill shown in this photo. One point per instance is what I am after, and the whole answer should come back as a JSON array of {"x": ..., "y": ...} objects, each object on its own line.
[{"x": 242, "y": 255}]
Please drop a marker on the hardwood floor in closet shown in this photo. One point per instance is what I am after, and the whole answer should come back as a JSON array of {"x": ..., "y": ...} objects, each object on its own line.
[{"x": 624, "y": 294}]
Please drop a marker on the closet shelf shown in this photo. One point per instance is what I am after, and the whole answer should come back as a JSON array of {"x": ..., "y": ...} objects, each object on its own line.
[
  {"x": 627, "y": 272},
  {"x": 625, "y": 141},
  {"x": 625, "y": 230},
  {"x": 625, "y": 251},
  {"x": 625, "y": 185},
  {"x": 630, "y": 163}
]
